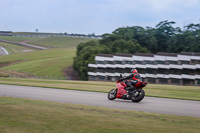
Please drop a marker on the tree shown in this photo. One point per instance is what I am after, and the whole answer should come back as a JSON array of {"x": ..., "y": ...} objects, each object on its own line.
[
  {"x": 131, "y": 40},
  {"x": 85, "y": 54},
  {"x": 163, "y": 33}
]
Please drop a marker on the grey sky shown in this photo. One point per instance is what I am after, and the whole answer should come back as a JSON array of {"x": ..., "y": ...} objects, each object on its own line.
[{"x": 93, "y": 16}]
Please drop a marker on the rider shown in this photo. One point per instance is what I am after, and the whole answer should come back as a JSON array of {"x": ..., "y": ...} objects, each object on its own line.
[{"x": 132, "y": 79}]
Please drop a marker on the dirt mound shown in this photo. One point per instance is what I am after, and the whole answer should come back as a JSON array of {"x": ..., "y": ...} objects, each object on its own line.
[
  {"x": 71, "y": 73},
  {"x": 11, "y": 73}
]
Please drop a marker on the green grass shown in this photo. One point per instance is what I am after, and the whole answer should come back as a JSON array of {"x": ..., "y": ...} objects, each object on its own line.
[
  {"x": 166, "y": 91},
  {"x": 51, "y": 41},
  {"x": 49, "y": 62},
  {"x": 44, "y": 63},
  {"x": 14, "y": 49},
  {"x": 56, "y": 41},
  {"x": 32, "y": 116},
  {"x": 18, "y": 39},
  {"x": 174, "y": 91},
  {"x": 33, "y": 33}
]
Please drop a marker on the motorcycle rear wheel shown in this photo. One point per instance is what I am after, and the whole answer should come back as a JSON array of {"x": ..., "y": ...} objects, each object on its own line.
[
  {"x": 139, "y": 97},
  {"x": 112, "y": 94}
]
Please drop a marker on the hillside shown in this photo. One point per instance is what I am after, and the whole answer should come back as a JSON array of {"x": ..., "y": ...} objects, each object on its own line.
[
  {"x": 57, "y": 41},
  {"x": 54, "y": 63},
  {"x": 14, "y": 49},
  {"x": 43, "y": 63},
  {"x": 50, "y": 41}
]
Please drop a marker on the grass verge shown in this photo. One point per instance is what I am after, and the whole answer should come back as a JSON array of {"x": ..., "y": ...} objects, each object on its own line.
[
  {"x": 32, "y": 116},
  {"x": 165, "y": 91}
]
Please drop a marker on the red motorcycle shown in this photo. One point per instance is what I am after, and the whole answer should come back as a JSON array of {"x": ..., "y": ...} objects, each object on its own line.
[{"x": 136, "y": 95}]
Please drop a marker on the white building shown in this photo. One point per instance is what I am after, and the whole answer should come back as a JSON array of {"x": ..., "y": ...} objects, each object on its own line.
[{"x": 161, "y": 68}]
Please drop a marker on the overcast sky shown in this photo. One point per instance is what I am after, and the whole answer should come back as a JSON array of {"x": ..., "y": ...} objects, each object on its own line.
[{"x": 93, "y": 16}]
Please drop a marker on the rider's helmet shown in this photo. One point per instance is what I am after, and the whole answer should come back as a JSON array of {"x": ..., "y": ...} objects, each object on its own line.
[{"x": 134, "y": 71}]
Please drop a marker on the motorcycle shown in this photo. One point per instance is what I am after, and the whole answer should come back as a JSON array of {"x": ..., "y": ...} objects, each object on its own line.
[{"x": 136, "y": 94}]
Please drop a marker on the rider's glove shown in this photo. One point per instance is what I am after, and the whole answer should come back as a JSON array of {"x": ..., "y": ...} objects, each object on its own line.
[{"x": 121, "y": 80}]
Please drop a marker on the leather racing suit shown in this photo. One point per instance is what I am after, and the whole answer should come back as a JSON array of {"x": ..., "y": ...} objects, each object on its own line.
[{"x": 132, "y": 80}]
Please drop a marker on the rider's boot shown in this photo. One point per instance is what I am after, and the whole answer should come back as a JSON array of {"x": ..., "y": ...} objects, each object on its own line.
[{"x": 128, "y": 90}]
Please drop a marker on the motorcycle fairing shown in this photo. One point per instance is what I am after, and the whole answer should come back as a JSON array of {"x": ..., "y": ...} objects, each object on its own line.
[
  {"x": 121, "y": 91},
  {"x": 140, "y": 84}
]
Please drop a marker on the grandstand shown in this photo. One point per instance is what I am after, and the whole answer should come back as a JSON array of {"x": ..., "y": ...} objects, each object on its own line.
[{"x": 160, "y": 68}]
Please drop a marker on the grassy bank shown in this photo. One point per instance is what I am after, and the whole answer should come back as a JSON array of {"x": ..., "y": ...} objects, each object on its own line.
[
  {"x": 18, "y": 39},
  {"x": 167, "y": 91},
  {"x": 50, "y": 41},
  {"x": 57, "y": 42},
  {"x": 14, "y": 49},
  {"x": 49, "y": 62},
  {"x": 21, "y": 115}
]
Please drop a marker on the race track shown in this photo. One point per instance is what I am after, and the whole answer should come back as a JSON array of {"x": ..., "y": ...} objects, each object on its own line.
[{"x": 149, "y": 104}]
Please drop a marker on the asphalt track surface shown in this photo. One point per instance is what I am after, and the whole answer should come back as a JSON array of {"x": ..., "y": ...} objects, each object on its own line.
[{"x": 148, "y": 104}]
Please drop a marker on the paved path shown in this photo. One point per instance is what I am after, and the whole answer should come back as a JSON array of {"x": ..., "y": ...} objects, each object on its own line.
[
  {"x": 25, "y": 44},
  {"x": 3, "y": 51},
  {"x": 148, "y": 104}
]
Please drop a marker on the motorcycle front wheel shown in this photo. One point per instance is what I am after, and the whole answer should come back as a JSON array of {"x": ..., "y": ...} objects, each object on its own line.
[
  {"x": 112, "y": 94},
  {"x": 138, "y": 96}
]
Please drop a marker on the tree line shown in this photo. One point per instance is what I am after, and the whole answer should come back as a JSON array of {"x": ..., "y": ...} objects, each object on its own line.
[{"x": 136, "y": 39}]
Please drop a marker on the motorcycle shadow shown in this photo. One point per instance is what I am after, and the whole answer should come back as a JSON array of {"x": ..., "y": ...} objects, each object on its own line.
[{"x": 126, "y": 101}]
